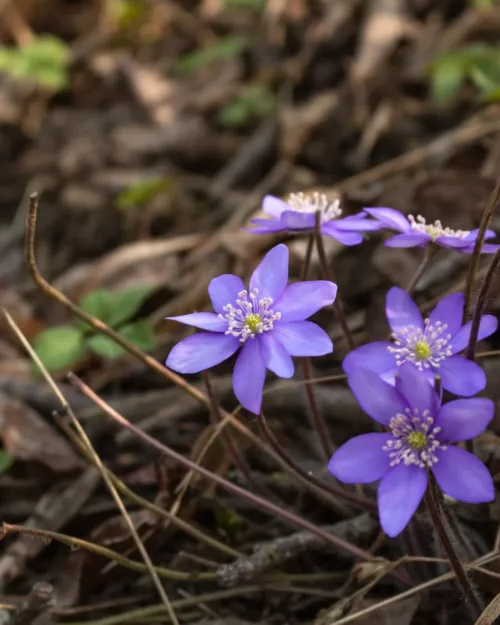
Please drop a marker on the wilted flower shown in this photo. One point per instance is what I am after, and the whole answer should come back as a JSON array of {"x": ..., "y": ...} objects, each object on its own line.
[
  {"x": 416, "y": 232},
  {"x": 417, "y": 439},
  {"x": 267, "y": 321},
  {"x": 432, "y": 345},
  {"x": 297, "y": 214}
]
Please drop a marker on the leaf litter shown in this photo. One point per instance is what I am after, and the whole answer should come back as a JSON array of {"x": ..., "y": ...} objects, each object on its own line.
[{"x": 153, "y": 130}]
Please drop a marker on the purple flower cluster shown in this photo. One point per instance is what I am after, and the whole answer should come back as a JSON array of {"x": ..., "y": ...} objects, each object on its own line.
[
  {"x": 298, "y": 214},
  {"x": 417, "y": 437},
  {"x": 267, "y": 323},
  {"x": 432, "y": 345},
  {"x": 392, "y": 380},
  {"x": 415, "y": 232}
]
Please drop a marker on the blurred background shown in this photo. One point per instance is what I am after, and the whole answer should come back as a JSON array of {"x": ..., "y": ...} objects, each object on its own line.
[{"x": 152, "y": 129}]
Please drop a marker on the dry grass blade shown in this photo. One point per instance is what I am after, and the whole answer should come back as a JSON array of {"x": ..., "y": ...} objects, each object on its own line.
[
  {"x": 121, "y": 506},
  {"x": 491, "y": 613},
  {"x": 217, "y": 479}
]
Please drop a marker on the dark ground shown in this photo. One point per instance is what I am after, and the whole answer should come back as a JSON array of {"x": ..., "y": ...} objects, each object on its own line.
[{"x": 287, "y": 95}]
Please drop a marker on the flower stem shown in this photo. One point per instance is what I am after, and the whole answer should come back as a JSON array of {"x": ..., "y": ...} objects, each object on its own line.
[
  {"x": 316, "y": 416},
  {"x": 305, "y": 475},
  {"x": 428, "y": 254},
  {"x": 434, "y": 500},
  {"x": 470, "y": 352},
  {"x": 476, "y": 254},
  {"x": 319, "y": 423},
  {"x": 327, "y": 275},
  {"x": 232, "y": 448}
]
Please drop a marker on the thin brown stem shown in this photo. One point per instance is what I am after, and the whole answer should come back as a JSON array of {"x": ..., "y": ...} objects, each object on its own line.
[
  {"x": 470, "y": 352},
  {"x": 102, "y": 328},
  {"x": 336, "y": 491},
  {"x": 428, "y": 254},
  {"x": 217, "y": 479},
  {"x": 102, "y": 470},
  {"x": 78, "y": 543},
  {"x": 476, "y": 254},
  {"x": 178, "y": 522},
  {"x": 327, "y": 275},
  {"x": 307, "y": 257},
  {"x": 234, "y": 452},
  {"x": 318, "y": 422},
  {"x": 433, "y": 499}
]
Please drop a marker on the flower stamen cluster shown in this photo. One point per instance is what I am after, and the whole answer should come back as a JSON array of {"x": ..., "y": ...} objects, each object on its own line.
[
  {"x": 317, "y": 202},
  {"x": 252, "y": 316},
  {"x": 413, "y": 439},
  {"x": 436, "y": 229},
  {"x": 424, "y": 348}
]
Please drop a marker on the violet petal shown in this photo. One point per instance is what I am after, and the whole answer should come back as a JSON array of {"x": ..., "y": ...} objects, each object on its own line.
[
  {"x": 399, "y": 495},
  {"x": 462, "y": 476},
  {"x": 361, "y": 460}
]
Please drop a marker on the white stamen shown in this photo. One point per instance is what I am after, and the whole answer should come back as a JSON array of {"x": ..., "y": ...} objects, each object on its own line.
[
  {"x": 436, "y": 229},
  {"x": 317, "y": 202},
  {"x": 250, "y": 317},
  {"x": 408, "y": 428},
  {"x": 424, "y": 348}
]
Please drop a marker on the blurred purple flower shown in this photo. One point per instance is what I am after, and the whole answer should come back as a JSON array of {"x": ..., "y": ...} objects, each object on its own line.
[
  {"x": 267, "y": 322},
  {"x": 418, "y": 432},
  {"x": 297, "y": 214},
  {"x": 431, "y": 345},
  {"x": 416, "y": 232}
]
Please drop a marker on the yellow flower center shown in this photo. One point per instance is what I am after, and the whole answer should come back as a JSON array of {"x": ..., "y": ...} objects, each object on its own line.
[
  {"x": 422, "y": 350},
  {"x": 417, "y": 440},
  {"x": 252, "y": 321}
]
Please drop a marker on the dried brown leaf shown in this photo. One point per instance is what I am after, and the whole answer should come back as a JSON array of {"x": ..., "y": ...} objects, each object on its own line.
[{"x": 26, "y": 436}]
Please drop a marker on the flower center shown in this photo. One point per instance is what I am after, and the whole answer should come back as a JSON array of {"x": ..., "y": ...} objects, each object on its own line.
[
  {"x": 413, "y": 439},
  {"x": 250, "y": 316},
  {"x": 253, "y": 321},
  {"x": 424, "y": 348},
  {"x": 317, "y": 202},
  {"x": 436, "y": 229},
  {"x": 417, "y": 440}
]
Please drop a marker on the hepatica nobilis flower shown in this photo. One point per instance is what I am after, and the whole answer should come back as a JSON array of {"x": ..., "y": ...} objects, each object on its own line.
[
  {"x": 267, "y": 321},
  {"x": 417, "y": 439},
  {"x": 415, "y": 232},
  {"x": 297, "y": 214},
  {"x": 432, "y": 345}
]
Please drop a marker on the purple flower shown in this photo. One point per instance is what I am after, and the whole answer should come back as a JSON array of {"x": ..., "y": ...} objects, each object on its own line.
[
  {"x": 416, "y": 232},
  {"x": 417, "y": 439},
  {"x": 297, "y": 214},
  {"x": 432, "y": 345},
  {"x": 267, "y": 322}
]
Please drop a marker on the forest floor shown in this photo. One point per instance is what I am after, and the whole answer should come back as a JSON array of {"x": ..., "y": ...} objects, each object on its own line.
[{"x": 151, "y": 131}]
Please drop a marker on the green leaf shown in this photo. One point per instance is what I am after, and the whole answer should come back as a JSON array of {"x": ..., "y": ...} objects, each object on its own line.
[
  {"x": 493, "y": 96},
  {"x": 141, "y": 334},
  {"x": 104, "y": 346},
  {"x": 44, "y": 60},
  {"x": 6, "y": 461},
  {"x": 235, "y": 114},
  {"x": 59, "y": 348},
  {"x": 254, "y": 101},
  {"x": 227, "y": 48},
  {"x": 448, "y": 74},
  {"x": 485, "y": 74},
  {"x": 127, "y": 303},
  {"x": 99, "y": 304},
  {"x": 142, "y": 192},
  {"x": 230, "y": 523}
]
